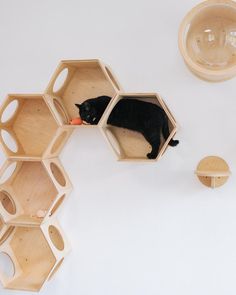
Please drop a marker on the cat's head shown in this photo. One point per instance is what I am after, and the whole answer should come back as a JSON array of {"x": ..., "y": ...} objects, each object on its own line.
[
  {"x": 88, "y": 112},
  {"x": 91, "y": 110}
]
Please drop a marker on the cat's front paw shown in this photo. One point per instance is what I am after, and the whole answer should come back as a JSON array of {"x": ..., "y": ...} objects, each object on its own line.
[{"x": 151, "y": 156}]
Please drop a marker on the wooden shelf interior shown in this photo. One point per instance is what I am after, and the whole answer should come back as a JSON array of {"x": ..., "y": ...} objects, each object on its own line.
[
  {"x": 81, "y": 80},
  {"x": 29, "y": 191},
  {"x": 31, "y": 256},
  {"x": 32, "y": 126}
]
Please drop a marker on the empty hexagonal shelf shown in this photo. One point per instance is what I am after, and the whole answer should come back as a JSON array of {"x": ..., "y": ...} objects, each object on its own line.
[
  {"x": 31, "y": 255},
  {"x": 130, "y": 145},
  {"x": 75, "y": 81},
  {"x": 28, "y": 128},
  {"x": 32, "y": 191}
]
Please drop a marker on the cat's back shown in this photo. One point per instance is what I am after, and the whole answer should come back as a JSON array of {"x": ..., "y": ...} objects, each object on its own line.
[
  {"x": 100, "y": 100},
  {"x": 136, "y": 105}
]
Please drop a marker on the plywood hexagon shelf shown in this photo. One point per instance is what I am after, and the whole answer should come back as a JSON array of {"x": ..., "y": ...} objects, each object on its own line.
[
  {"x": 32, "y": 191},
  {"x": 28, "y": 128},
  {"x": 129, "y": 145},
  {"x": 34, "y": 254},
  {"x": 75, "y": 81},
  {"x": 207, "y": 40}
]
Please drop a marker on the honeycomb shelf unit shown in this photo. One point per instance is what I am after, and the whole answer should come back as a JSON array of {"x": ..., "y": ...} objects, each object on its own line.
[
  {"x": 33, "y": 184},
  {"x": 128, "y": 145},
  {"x": 35, "y": 254},
  {"x": 28, "y": 128},
  {"x": 207, "y": 40},
  {"x": 213, "y": 171},
  {"x": 31, "y": 192},
  {"x": 75, "y": 81}
]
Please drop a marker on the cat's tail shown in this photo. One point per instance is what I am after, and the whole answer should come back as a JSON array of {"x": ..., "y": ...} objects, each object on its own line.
[{"x": 166, "y": 132}]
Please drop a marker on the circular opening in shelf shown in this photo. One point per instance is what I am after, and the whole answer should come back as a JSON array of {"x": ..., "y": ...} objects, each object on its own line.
[
  {"x": 112, "y": 78},
  {"x": 59, "y": 141},
  {"x": 9, "y": 141},
  {"x": 60, "y": 80},
  {"x": 6, "y": 234},
  {"x": 57, "y": 205},
  {"x": 7, "y": 265},
  {"x": 56, "y": 237},
  {"x": 8, "y": 172},
  {"x": 56, "y": 269},
  {"x": 10, "y": 111},
  {"x": 61, "y": 111},
  {"x": 7, "y": 202},
  {"x": 57, "y": 174},
  {"x": 210, "y": 36}
]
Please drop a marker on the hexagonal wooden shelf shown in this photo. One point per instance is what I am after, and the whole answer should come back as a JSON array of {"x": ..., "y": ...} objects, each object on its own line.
[
  {"x": 75, "y": 81},
  {"x": 128, "y": 145},
  {"x": 28, "y": 128},
  {"x": 34, "y": 253},
  {"x": 32, "y": 191}
]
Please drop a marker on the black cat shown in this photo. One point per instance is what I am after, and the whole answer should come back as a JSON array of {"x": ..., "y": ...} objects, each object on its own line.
[{"x": 133, "y": 114}]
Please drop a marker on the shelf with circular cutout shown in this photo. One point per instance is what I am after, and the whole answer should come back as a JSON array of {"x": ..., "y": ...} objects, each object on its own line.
[
  {"x": 28, "y": 128},
  {"x": 31, "y": 192},
  {"x": 30, "y": 256},
  {"x": 33, "y": 184},
  {"x": 130, "y": 145},
  {"x": 75, "y": 81}
]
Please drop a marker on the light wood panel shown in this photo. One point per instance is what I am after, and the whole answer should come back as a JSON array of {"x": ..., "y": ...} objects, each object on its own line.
[
  {"x": 34, "y": 255},
  {"x": 34, "y": 190},
  {"x": 86, "y": 79},
  {"x": 213, "y": 171},
  {"x": 33, "y": 128}
]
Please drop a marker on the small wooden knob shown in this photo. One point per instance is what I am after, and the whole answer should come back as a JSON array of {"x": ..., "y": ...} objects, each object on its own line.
[{"x": 213, "y": 171}]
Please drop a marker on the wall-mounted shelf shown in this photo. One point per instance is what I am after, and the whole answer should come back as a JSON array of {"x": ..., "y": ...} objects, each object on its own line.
[
  {"x": 33, "y": 191},
  {"x": 207, "y": 40},
  {"x": 213, "y": 171},
  {"x": 34, "y": 253},
  {"x": 28, "y": 128},
  {"x": 75, "y": 81},
  {"x": 130, "y": 145}
]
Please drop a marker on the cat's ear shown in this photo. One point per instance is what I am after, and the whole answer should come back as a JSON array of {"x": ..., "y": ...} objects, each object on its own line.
[{"x": 78, "y": 105}]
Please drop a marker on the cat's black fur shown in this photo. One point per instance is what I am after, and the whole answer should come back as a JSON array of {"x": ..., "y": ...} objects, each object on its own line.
[
  {"x": 91, "y": 110},
  {"x": 133, "y": 114}
]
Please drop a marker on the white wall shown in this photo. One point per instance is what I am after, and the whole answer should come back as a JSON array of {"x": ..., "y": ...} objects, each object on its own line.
[{"x": 135, "y": 229}]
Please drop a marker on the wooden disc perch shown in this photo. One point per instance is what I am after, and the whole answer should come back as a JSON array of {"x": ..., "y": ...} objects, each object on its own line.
[{"x": 213, "y": 171}]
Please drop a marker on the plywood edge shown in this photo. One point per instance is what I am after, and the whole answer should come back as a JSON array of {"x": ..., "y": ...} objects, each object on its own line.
[{"x": 211, "y": 173}]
